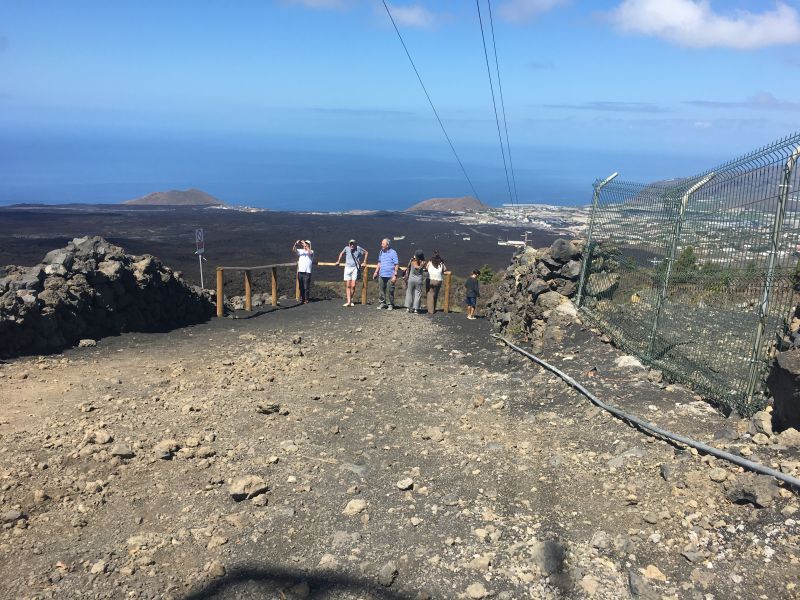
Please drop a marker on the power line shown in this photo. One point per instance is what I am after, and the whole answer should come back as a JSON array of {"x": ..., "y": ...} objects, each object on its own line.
[
  {"x": 502, "y": 103},
  {"x": 494, "y": 102},
  {"x": 427, "y": 95}
]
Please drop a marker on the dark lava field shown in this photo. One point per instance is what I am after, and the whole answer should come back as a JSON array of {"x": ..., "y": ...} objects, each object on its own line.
[{"x": 237, "y": 238}]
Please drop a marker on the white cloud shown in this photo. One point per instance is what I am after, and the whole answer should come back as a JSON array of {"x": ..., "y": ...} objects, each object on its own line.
[
  {"x": 409, "y": 15},
  {"x": 695, "y": 24},
  {"x": 607, "y": 106},
  {"x": 318, "y": 3},
  {"x": 524, "y": 10},
  {"x": 703, "y": 124},
  {"x": 761, "y": 101},
  {"x": 413, "y": 15},
  {"x": 540, "y": 65}
]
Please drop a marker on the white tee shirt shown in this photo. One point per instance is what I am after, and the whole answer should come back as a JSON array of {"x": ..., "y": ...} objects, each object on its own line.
[
  {"x": 434, "y": 272},
  {"x": 304, "y": 261}
]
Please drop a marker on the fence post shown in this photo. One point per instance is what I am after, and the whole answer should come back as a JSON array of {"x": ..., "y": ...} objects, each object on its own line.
[
  {"x": 220, "y": 296},
  {"x": 248, "y": 299},
  {"x": 586, "y": 251},
  {"x": 274, "y": 286},
  {"x": 296, "y": 288},
  {"x": 364, "y": 286},
  {"x": 763, "y": 307},
  {"x": 447, "y": 279},
  {"x": 676, "y": 234}
]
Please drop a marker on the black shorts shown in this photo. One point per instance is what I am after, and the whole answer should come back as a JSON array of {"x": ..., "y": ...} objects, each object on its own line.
[{"x": 472, "y": 301}]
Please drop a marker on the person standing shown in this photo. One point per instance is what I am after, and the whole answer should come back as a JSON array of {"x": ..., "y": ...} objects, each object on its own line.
[
  {"x": 436, "y": 270},
  {"x": 473, "y": 291},
  {"x": 387, "y": 272},
  {"x": 355, "y": 256},
  {"x": 415, "y": 278},
  {"x": 305, "y": 258}
]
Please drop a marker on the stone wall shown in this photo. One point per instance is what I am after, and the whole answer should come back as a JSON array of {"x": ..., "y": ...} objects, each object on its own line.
[
  {"x": 91, "y": 289},
  {"x": 537, "y": 287}
]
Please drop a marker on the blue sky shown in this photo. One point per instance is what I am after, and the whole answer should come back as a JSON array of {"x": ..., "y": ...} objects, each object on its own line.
[{"x": 682, "y": 81}]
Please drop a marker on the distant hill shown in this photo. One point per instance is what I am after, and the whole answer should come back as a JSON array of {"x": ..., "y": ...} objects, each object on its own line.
[
  {"x": 464, "y": 204},
  {"x": 191, "y": 197}
]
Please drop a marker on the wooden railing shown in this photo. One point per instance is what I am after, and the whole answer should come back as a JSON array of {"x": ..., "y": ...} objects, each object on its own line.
[{"x": 248, "y": 284}]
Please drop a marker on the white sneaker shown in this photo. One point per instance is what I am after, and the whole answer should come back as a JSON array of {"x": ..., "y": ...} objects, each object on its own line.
[
  {"x": 390, "y": 307},
  {"x": 352, "y": 304},
  {"x": 380, "y": 306},
  {"x": 347, "y": 304}
]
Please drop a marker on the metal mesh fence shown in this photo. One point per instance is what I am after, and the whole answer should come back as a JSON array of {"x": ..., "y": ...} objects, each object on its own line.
[{"x": 697, "y": 276}]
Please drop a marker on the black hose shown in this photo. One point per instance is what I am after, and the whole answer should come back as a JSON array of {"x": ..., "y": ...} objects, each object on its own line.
[{"x": 649, "y": 427}]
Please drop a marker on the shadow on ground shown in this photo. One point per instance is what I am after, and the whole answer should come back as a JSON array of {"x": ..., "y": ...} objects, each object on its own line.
[
  {"x": 260, "y": 310},
  {"x": 260, "y": 582}
]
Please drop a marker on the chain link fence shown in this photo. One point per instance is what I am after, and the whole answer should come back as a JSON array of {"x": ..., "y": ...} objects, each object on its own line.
[{"x": 697, "y": 276}]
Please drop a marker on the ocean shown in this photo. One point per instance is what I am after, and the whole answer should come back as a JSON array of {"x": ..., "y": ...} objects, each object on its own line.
[{"x": 302, "y": 174}]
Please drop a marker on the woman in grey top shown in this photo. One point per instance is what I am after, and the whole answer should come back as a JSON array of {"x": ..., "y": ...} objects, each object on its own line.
[{"x": 415, "y": 280}]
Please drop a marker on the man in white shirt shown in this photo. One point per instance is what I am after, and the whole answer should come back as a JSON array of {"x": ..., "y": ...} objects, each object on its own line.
[{"x": 305, "y": 258}]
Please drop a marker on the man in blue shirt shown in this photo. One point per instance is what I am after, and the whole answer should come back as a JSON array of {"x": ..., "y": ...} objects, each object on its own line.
[{"x": 387, "y": 271}]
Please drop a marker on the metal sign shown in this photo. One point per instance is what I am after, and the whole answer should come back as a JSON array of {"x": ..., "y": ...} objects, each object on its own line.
[
  {"x": 199, "y": 241},
  {"x": 200, "y": 244}
]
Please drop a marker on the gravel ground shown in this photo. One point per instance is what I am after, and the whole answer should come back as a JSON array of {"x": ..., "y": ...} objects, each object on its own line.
[
  {"x": 327, "y": 452},
  {"x": 706, "y": 345}
]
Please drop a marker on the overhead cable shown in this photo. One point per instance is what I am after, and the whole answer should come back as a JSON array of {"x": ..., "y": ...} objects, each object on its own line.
[
  {"x": 427, "y": 95},
  {"x": 502, "y": 104},
  {"x": 494, "y": 102}
]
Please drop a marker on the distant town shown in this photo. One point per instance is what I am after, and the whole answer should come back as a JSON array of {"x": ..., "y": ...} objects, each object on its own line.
[{"x": 567, "y": 220}]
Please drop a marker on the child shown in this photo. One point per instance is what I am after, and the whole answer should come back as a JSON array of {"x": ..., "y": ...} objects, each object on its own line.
[{"x": 473, "y": 291}]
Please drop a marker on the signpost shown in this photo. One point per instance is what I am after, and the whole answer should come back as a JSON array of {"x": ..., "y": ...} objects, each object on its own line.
[{"x": 201, "y": 248}]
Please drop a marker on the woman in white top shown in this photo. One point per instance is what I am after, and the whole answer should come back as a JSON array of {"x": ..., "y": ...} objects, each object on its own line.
[
  {"x": 305, "y": 258},
  {"x": 436, "y": 270}
]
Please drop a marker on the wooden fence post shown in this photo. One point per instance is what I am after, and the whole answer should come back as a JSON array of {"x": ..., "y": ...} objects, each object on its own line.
[
  {"x": 220, "y": 296},
  {"x": 447, "y": 280},
  {"x": 274, "y": 286},
  {"x": 364, "y": 287},
  {"x": 248, "y": 299},
  {"x": 297, "y": 288}
]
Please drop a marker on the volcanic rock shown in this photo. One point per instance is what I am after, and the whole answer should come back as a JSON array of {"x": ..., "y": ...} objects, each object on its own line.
[{"x": 247, "y": 486}]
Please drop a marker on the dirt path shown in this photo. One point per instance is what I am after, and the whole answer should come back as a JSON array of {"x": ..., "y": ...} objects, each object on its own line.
[{"x": 403, "y": 457}]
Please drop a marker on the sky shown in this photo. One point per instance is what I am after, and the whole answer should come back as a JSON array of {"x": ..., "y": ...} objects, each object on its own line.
[{"x": 257, "y": 98}]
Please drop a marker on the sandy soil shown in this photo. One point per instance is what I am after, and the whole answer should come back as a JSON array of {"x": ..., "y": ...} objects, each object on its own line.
[{"x": 389, "y": 455}]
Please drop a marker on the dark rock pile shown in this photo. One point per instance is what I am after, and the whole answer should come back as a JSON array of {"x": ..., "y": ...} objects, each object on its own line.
[
  {"x": 537, "y": 287},
  {"x": 91, "y": 289},
  {"x": 784, "y": 385}
]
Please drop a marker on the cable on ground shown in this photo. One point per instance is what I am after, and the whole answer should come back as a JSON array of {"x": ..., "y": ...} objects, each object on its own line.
[{"x": 653, "y": 429}]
